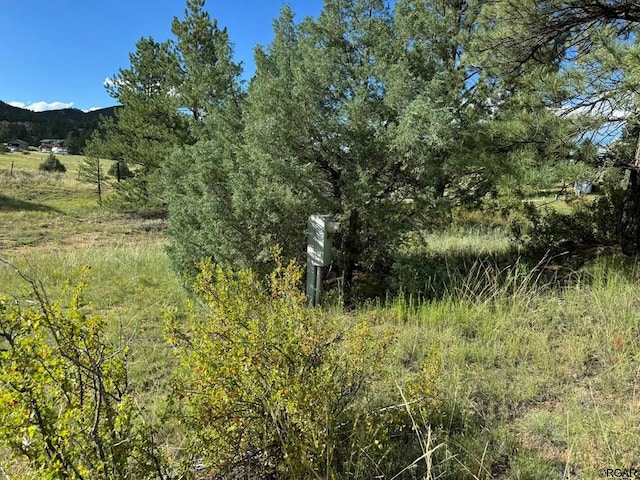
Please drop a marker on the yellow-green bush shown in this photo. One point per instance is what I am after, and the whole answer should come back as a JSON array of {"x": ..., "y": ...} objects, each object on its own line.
[
  {"x": 271, "y": 387},
  {"x": 66, "y": 407}
]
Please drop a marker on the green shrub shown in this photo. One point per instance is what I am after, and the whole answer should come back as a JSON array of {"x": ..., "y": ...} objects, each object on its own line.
[
  {"x": 52, "y": 164},
  {"x": 273, "y": 389},
  {"x": 65, "y": 402}
]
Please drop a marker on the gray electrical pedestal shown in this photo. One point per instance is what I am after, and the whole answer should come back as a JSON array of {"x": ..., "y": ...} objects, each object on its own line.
[{"x": 319, "y": 245}]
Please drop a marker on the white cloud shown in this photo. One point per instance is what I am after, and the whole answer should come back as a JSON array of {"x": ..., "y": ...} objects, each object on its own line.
[{"x": 42, "y": 106}]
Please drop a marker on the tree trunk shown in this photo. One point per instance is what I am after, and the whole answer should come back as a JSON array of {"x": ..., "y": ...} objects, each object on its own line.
[
  {"x": 630, "y": 221},
  {"x": 98, "y": 172},
  {"x": 350, "y": 252}
]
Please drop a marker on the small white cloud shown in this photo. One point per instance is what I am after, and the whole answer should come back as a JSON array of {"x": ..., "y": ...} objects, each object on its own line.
[
  {"x": 42, "y": 106},
  {"x": 93, "y": 109}
]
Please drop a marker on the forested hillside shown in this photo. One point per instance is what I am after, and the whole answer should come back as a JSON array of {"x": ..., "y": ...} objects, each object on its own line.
[{"x": 34, "y": 126}]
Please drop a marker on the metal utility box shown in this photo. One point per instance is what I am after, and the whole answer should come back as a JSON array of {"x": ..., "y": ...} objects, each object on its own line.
[
  {"x": 320, "y": 230},
  {"x": 320, "y": 239}
]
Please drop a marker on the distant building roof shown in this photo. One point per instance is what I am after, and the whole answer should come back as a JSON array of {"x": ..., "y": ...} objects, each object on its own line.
[{"x": 18, "y": 144}]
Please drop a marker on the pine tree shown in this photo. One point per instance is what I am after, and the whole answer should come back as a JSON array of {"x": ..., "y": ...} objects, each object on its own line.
[
  {"x": 316, "y": 137},
  {"x": 382, "y": 118},
  {"x": 173, "y": 94},
  {"x": 147, "y": 127},
  {"x": 374, "y": 115},
  {"x": 91, "y": 171},
  {"x": 199, "y": 179},
  {"x": 208, "y": 78},
  {"x": 593, "y": 45}
]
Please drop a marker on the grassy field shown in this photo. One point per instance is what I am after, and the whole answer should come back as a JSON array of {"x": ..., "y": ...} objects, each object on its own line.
[
  {"x": 535, "y": 380},
  {"x": 51, "y": 226}
]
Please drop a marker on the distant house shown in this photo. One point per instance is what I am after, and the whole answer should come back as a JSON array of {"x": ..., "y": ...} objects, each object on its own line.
[
  {"x": 17, "y": 145},
  {"x": 48, "y": 144}
]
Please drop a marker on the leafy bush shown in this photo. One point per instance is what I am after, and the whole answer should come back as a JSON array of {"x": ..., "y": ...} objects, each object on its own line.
[
  {"x": 52, "y": 164},
  {"x": 271, "y": 388},
  {"x": 65, "y": 403}
]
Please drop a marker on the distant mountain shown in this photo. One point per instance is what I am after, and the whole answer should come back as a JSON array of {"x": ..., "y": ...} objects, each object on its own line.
[{"x": 18, "y": 123}]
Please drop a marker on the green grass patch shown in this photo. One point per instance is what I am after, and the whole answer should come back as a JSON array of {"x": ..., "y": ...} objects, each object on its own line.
[
  {"x": 22, "y": 161},
  {"x": 550, "y": 372}
]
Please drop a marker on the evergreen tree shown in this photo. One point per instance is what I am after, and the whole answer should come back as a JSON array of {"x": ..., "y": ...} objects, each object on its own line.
[
  {"x": 147, "y": 127},
  {"x": 199, "y": 180},
  {"x": 207, "y": 79},
  {"x": 73, "y": 142},
  {"x": 52, "y": 164},
  {"x": 174, "y": 93},
  {"x": 481, "y": 132},
  {"x": 313, "y": 117},
  {"x": 91, "y": 171},
  {"x": 374, "y": 115},
  {"x": 593, "y": 45}
]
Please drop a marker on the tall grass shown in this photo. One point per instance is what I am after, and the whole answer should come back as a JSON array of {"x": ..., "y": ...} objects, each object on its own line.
[
  {"x": 429, "y": 264},
  {"x": 540, "y": 380}
]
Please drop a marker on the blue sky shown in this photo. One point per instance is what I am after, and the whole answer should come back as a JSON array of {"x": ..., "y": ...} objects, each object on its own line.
[{"x": 57, "y": 54}]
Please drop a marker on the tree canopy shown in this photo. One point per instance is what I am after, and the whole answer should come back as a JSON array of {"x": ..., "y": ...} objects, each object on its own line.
[
  {"x": 380, "y": 115},
  {"x": 592, "y": 44},
  {"x": 386, "y": 115},
  {"x": 167, "y": 91}
]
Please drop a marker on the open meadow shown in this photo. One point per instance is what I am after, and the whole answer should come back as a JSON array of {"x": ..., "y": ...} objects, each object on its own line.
[{"x": 522, "y": 376}]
